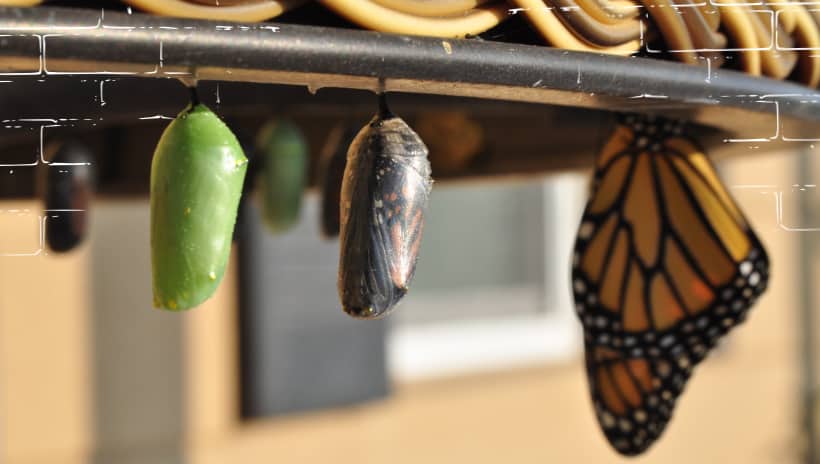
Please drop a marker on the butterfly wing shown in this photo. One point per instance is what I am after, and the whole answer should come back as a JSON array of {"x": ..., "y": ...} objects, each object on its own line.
[
  {"x": 664, "y": 262},
  {"x": 633, "y": 397}
]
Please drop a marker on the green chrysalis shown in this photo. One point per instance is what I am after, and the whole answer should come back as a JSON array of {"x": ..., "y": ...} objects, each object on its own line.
[
  {"x": 196, "y": 181},
  {"x": 283, "y": 156}
]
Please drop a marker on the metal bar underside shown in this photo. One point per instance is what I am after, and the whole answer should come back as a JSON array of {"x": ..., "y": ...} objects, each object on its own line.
[{"x": 92, "y": 42}]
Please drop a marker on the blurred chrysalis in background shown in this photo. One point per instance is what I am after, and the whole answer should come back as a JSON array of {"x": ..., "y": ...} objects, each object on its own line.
[
  {"x": 331, "y": 171},
  {"x": 283, "y": 153},
  {"x": 67, "y": 187}
]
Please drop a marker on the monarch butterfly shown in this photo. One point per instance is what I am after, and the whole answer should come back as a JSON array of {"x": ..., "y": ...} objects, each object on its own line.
[
  {"x": 196, "y": 181},
  {"x": 664, "y": 264},
  {"x": 384, "y": 196}
]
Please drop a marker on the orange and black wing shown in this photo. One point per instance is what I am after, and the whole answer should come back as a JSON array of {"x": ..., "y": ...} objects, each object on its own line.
[
  {"x": 633, "y": 397},
  {"x": 665, "y": 262}
]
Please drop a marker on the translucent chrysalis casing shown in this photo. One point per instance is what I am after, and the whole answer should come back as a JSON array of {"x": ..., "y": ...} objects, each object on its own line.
[
  {"x": 196, "y": 181},
  {"x": 384, "y": 196}
]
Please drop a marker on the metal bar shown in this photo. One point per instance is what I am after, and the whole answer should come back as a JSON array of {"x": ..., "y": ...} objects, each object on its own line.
[{"x": 77, "y": 41}]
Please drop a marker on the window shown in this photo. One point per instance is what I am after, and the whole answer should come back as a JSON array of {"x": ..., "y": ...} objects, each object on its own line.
[{"x": 491, "y": 287}]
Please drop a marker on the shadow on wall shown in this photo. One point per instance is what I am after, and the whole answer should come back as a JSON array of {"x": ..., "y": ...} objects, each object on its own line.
[{"x": 139, "y": 377}]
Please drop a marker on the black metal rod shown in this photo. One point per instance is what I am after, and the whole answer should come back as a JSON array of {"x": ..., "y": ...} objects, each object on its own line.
[{"x": 77, "y": 41}]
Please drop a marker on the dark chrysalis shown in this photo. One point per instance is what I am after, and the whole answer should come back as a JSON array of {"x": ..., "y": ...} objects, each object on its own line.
[
  {"x": 332, "y": 168},
  {"x": 384, "y": 196},
  {"x": 67, "y": 188}
]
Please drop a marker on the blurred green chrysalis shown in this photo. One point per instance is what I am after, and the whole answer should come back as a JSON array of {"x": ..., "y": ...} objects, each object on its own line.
[
  {"x": 283, "y": 157},
  {"x": 196, "y": 181}
]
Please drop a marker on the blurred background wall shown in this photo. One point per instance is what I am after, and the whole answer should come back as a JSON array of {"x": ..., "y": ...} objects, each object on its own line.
[{"x": 483, "y": 360}]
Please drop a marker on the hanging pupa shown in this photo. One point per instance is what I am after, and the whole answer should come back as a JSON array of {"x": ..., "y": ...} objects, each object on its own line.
[
  {"x": 67, "y": 185},
  {"x": 196, "y": 182},
  {"x": 384, "y": 196},
  {"x": 331, "y": 173},
  {"x": 283, "y": 160}
]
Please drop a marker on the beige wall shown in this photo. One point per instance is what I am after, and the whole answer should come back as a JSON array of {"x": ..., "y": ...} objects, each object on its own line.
[
  {"x": 44, "y": 344},
  {"x": 88, "y": 369}
]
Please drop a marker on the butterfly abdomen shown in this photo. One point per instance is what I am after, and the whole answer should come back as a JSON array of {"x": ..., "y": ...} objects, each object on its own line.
[{"x": 384, "y": 196}]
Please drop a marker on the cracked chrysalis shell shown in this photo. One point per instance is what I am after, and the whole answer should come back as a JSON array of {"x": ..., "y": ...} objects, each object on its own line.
[
  {"x": 196, "y": 181},
  {"x": 384, "y": 197}
]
